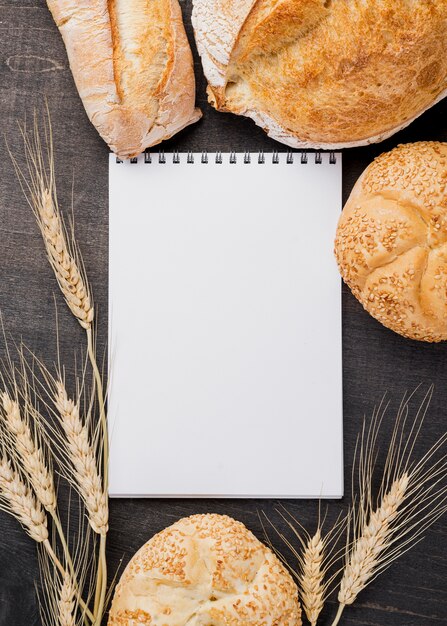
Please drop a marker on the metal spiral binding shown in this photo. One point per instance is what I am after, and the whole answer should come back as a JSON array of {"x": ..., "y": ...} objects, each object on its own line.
[{"x": 303, "y": 157}]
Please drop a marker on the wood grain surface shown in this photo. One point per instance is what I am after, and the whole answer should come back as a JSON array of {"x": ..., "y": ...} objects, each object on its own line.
[{"x": 33, "y": 66}]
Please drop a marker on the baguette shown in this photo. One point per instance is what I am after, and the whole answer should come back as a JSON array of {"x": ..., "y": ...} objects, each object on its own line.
[{"x": 132, "y": 66}]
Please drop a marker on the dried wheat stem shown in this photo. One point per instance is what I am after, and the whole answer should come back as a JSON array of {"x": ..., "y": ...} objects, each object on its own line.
[
  {"x": 311, "y": 578},
  {"x": 373, "y": 538},
  {"x": 83, "y": 460},
  {"x": 101, "y": 404},
  {"x": 68, "y": 274},
  {"x": 341, "y": 608},
  {"x": 101, "y": 579},
  {"x": 31, "y": 454},
  {"x": 22, "y": 503}
]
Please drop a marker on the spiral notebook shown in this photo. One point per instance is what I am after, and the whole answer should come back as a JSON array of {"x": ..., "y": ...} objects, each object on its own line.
[{"x": 225, "y": 326}]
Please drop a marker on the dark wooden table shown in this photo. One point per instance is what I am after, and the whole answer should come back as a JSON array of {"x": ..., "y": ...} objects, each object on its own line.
[{"x": 33, "y": 65}]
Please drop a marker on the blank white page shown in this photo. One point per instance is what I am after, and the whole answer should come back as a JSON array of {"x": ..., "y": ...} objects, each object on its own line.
[{"x": 225, "y": 328}]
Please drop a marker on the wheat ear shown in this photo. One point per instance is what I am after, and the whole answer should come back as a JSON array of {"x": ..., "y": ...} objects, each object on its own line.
[
  {"x": 311, "y": 579},
  {"x": 315, "y": 554},
  {"x": 19, "y": 500},
  {"x": 369, "y": 546},
  {"x": 61, "y": 604},
  {"x": 68, "y": 274},
  {"x": 39, "y": 188},
  {"x": 64, "y": 256},
  {"x": 66, "y": 603},
  {"x": 32, "y": 457},
  {"x": 87, "y": 479},
  {"x": 412, "y": 496}
]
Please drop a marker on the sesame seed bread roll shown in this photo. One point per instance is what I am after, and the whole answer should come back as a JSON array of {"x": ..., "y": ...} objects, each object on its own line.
[
  {"x": 202, "y": 570},
  {"x": 391, "y": 242},
  {"x": 133, "y": 68},
  {"x": 324, "y": 73}
]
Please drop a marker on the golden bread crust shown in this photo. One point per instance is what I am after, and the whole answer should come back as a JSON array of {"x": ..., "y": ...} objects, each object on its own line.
[
  {"x": 391, "y": 242},
  {"x": 325, "y": 74},
  {"x": 205, "y": 569},
  {"x": 133, "y": 68}
]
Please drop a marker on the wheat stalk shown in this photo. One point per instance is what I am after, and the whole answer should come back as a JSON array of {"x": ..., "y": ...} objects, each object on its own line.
[
  {"x": 33, "y": 460},
  {"x": 82, "y": 457},
  {"x": 19, "y": 500},
  {"x": 64, "y": 256},
  {"x": 412, "y": 496},
  {"x": 39, "y": 187}
]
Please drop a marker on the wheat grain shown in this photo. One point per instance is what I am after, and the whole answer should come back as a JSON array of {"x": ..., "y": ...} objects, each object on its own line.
[
  {"x": 374, "y": 538},
  {"x": 20, "y": 501},
  {"x": 68, "y": 274},
  {"x": 31, "y": 454},
  {"x": 311, "y": 578},
  {"x": 83, "y": 460},
  {"x": 66, "y": 603}
]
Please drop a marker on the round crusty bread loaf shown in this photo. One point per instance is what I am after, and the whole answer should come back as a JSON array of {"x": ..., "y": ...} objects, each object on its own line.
[
  {"x": 202, "y": 570},
  {"x": 324, "y": 73},
  {"x": 391, "y": 242},
  {"x": 132, "y": 66}
]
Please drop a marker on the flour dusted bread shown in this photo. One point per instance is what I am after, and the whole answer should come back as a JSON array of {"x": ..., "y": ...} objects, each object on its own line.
[
  {"x": 203, "y": 570},
  {"x": 324, "y": 73},
  {"x": 391, "y": 242},
  {"x": 132, "y": 66}
]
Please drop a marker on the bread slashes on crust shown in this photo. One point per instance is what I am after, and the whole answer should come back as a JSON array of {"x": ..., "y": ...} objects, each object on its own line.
[
  {"x": 205, "y": 569},
  {"x": 324, "y": 73},
  {"x": 133, "y": 68},
  {"x": 391, "y": 242}
]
